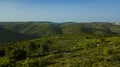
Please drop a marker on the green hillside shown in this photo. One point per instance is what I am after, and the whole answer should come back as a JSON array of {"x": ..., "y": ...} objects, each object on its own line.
[
  {"x": 11, "y": 36},
  {"x": 49, "y": 44},
  {"x": 88, "y": 28},
  {"x": 63, "y": 51},
  {"x": 50, "y": 28},
  {"x": 75, "y": 28},
  {"x": 42, "y": 28}
]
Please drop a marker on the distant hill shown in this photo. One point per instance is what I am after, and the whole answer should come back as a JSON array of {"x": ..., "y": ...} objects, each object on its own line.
[
  {"x": 10, "y": 36},
  {"x": 50, "y": 28},
  {"x": 89, "y": 28},
  {"x": 34, "y": 28}
]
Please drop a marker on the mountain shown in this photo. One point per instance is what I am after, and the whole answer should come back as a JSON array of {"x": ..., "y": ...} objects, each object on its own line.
[
  {"x": 43, "y": 28},
  {"x": 88, "y": 28},
  {"x": 11, "y": 36},
  {"x": 105, "y": 26},
  {"x": 75, "y": 28},
  {"x": 51, "y": 28}
]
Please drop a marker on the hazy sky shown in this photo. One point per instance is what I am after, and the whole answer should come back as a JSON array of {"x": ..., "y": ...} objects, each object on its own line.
[{"x": 60, "y": 10}]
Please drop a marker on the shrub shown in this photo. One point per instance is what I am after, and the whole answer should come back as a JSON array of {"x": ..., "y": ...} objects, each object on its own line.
[
  {"x": 44, "y": 48},
  {"x": 34, "y": 63},
  {"x": 32, "y": 46},
  {"x": 2, "y": 53},
  {"x": 5, "y": 62},
  {"x": 18, "y": 54}
]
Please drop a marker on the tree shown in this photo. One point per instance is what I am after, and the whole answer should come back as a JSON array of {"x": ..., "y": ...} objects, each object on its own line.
[
  {"x": 2, "y": 53},
  {"x": 44, "y": 48},
  {"x": 32, "y": 46},
  {"x": 18, "y": 54}
]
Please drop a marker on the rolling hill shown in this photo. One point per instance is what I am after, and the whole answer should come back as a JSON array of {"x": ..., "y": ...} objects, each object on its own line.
[
  {"x": 50, "y": 28},
  {"x": 59, "y": 44},
  {"x": 42, "y": 29},
  {"x": 11, "y": 36}
]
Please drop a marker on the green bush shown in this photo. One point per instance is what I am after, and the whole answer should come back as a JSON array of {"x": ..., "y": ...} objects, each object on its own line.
[
  {"x": 34, "y": 63},
  {"x": 18, "y": 54},
  {"x": 2, "y": 53},
  {"x": 5, "y": 62},
  {"x": 44, "y": 48}
]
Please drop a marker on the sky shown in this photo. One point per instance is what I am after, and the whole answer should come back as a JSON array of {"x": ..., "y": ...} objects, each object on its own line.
[{"x": 60, "y": 10}]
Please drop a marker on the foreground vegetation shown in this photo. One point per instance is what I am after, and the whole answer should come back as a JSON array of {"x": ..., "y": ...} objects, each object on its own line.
[{"x": 66, "y": 50}]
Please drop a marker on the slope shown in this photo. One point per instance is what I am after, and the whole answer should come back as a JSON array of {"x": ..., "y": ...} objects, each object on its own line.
[
  {"x": 50, "y": 28},
  {"x": 62, "y": 51},
  {"x": 10, "y": 36}
]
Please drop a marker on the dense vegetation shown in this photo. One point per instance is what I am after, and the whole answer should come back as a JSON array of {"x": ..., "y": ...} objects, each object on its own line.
[
  {"x": 76, "y": 50},
  {"x": 59, "y": 45}
]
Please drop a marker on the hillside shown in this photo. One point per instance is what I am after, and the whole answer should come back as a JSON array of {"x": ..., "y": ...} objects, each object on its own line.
[
  {"x": 36, "y": 28},
  {"x": 48, "y": 44},
  {"x": 63, "y": 51},
  {"x": 90, "y": 28},
  {"x": 11, "y": 36},
  {"x": 50, "y": 28}
]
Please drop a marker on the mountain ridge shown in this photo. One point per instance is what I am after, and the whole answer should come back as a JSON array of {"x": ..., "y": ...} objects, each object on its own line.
[{"x": 51, "y": 28}]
